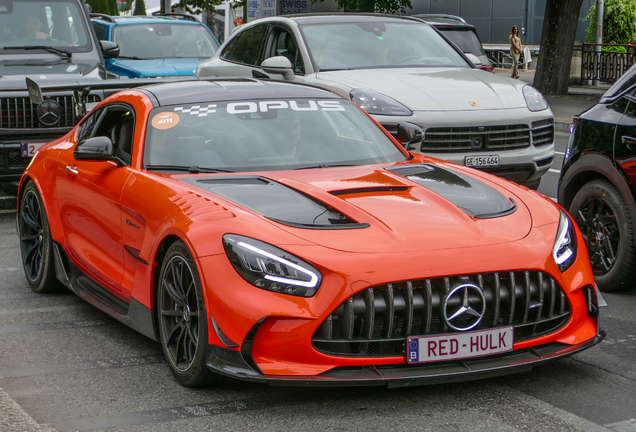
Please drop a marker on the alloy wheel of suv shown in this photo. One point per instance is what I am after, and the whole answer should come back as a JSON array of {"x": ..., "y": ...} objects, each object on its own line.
[{"x": 600, "y": 212}]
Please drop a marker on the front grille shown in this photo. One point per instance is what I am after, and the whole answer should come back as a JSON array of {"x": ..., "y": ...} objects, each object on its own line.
[
  {"x": 542, "y": 133},
  {"x": 482, "y": 138},
  {"x": 16, "y": 160},
  {"x": 376, "y": 321},
  {"x": 21, "y": 113}
]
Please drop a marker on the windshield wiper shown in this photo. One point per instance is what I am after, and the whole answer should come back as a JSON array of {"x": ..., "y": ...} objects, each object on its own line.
[
  {"x": 326, "y": 166},
  {"x": 334, "y": 69},
  {"x": 62, "y": 53},
  {"x": 130, "y": 57},
  {"x": 191, "y": 169}
]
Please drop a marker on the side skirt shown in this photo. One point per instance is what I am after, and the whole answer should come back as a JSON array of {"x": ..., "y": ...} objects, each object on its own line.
[{"x": 134, "y": 314}]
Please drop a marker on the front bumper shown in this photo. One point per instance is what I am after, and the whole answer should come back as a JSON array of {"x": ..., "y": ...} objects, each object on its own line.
[{"x": 239, "y": 365}]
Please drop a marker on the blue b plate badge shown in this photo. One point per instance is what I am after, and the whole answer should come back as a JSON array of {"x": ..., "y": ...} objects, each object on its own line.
[
  {"x": 29, "y": 149},
  {"x": 456, "y": 346}
]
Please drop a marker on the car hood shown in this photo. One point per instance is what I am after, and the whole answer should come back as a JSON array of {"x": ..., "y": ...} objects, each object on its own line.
[
  {"x": 434, "y": 89},
  {"x": 405, "y": 207},
  {"x": 160, "y": 67},
  {"x": 13, "y": 73}
]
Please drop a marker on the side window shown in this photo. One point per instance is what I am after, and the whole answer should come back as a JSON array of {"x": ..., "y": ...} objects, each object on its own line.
[
  {"x": 246, "y": 48},
  {"x": 284, "y": 44},
  {"x": 118, "y": 124},
  {"x": 88, "y": 126},
  {"x": 100, "y": 31}
]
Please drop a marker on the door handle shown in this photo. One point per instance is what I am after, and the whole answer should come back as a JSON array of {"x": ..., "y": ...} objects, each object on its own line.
[
  {"x": 629, "y": 141},
  {"x": 71, "y": 170}
]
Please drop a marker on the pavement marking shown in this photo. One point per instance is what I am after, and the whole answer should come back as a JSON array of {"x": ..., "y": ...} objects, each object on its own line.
[
  {"x": 13, "y": 418},
  {"x": 48, "y": 369},
  {"x": 554, "y": 170},
  {"x": 623, "y": 426},
  {"x": 559, "y": 153},
  {"x": 27, "y": 328},
  {"x": 9, "y": 269},
  {"x": 564, "y": 119}
]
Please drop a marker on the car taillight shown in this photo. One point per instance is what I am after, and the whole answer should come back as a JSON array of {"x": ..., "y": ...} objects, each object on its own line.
[{"x": 490, "y": 69}]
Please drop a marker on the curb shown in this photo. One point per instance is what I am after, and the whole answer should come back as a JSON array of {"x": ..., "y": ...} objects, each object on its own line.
[{"x": 562, "y": 126}]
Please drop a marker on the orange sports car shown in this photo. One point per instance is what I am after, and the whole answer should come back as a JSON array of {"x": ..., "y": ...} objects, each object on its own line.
[{"x": 274, "y": 232}]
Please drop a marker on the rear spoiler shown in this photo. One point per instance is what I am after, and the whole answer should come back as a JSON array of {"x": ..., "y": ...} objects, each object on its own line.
[{"x": 81, "y": 90}]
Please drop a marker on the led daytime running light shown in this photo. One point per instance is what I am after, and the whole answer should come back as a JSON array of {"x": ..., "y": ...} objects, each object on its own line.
[
  {"x": 564, "y": 249},
  {"x": 311, "y": 284}
]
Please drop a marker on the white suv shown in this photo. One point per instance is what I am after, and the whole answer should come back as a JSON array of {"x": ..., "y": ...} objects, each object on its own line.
[{"x": 400, "y": 70}]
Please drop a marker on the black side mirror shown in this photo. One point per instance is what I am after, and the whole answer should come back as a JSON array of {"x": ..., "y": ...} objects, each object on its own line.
[
  {"x": 408, "y": 134},
  {"x": 110, "y": 49},
  {"x": 97, "y": 149}
]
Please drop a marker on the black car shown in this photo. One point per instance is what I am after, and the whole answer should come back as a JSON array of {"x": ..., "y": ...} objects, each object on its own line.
[
  {"x": 51, "y": 41},
  {"x": 461, "y": 33},
  {"x": 597, "y": 184}
]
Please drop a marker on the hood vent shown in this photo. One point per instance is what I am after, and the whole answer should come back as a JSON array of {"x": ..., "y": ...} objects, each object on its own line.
[
  {"x": 369, "y": 190},
  {"x": 473, "y": 197}
]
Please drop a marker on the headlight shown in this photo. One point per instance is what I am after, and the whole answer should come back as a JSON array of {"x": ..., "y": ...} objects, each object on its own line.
[
  {"x": 564, "y": 250},
  {"x": 534, "y": 99},
  {"x": 376, "y": 103},
  {"x": 270, "y": 268}
]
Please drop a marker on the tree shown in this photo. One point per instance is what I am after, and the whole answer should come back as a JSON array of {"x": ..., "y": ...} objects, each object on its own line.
[
  {"x": 380, "y": 6},
  {"x": 557, "y": 41},
  {"x": 619, "y": 22},
  {"x": 114, "y": 7},
  {"x": 140, "y": 8},
  {"x": 99, "y": 6}
]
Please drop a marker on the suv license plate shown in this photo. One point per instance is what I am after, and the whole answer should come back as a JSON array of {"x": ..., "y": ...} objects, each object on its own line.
[
  {"x": 29, "y": 149},
  {"x": 482, "y": 161},
  {"x": 456, "y": 346}
]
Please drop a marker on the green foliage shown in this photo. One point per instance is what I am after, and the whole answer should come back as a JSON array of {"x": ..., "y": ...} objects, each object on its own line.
[
  {"x": 114, "y": 7},
  {"x": 140, "y": 8},
  {"x": 379, "y": 6},
  {"x": 99, "y": 6},
  {"x": 618, "y": 49},
  {"x": 195, "y": 7},
  {"x": 619, "y": 22}
]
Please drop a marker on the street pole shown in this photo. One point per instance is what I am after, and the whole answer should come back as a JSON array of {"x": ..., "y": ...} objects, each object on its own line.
[
  {"x": 167, "y": 5},
  {"x": 598, "y": 40}
]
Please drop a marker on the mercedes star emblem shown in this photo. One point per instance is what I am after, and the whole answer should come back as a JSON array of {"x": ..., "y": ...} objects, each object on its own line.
[
  {"x": 49, "y": 112},
  {"x": 459, "y": 314}
]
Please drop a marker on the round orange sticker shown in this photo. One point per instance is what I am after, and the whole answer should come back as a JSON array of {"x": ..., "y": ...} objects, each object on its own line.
[{"x": 164, "y": 121}]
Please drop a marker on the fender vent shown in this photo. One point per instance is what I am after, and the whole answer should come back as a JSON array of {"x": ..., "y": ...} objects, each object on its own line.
[{"x": 369, "y": 190}]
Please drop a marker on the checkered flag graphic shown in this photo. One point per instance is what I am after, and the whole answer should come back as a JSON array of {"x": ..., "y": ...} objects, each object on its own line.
[{"x": 198, "y": 110}]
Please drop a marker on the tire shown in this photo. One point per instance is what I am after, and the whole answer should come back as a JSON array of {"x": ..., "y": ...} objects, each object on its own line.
[
  {"x": 36, "y": 245},
  {"x": 601, "y": 214},
  {"x": 183, "y": 319}
]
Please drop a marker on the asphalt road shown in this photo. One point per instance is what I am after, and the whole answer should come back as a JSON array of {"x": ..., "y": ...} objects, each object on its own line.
[{"x": 66, "y": 366}]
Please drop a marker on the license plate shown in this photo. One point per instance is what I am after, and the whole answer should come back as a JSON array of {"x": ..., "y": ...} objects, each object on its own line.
[
  {"x": 454, "y": 346},
  {"x": 482, "y": 161},
  {"x": 29, "y": 149}
]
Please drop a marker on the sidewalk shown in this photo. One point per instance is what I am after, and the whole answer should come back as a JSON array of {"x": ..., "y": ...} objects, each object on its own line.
[{"x": 579, "y": 99}]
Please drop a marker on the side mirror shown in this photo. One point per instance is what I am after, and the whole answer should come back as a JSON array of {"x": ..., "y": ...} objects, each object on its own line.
[
  {"x": 97, "y": 149},
  {"x": 474, "y": 60},
  {"x": 279, "y": 65},
  {"x": 408, "y": 134},
  {"x": 110, "y": 49}
]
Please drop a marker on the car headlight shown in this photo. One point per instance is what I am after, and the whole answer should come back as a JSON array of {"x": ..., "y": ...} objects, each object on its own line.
[
  {"x": 376, "y": 103},
  {"x": 270, "y": 268},
  {"x": 534, "y": 99},
  {"x": 564, "y": 250}
]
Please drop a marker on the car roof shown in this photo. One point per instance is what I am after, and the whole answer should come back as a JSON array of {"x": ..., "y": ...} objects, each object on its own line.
[
  {"x": 334, "y": 17},
  {"x": 200, "y": 91},
  {"x": 140, "y": 19}
]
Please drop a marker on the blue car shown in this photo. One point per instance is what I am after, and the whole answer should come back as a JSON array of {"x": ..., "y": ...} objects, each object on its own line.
[{"x": 155, "y": 46}]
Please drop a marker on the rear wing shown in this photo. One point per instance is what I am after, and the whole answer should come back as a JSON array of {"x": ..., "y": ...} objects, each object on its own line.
[{"x": 39, "y": 90}]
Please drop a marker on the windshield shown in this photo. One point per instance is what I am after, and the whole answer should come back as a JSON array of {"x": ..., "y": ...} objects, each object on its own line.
[
  {"x": 465, "y": 39},
  {"x": 158, "y": 41},
  {"x": 53, "y": 23},
  {"x": 376, "y": 44},
  {"x": 266, "y": 135}
]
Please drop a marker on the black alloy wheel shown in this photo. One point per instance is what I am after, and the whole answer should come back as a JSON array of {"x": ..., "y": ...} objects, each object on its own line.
[
  {"x": 36, "y": 246},
  {"x": 182, "y": 318},
  {"x": 601, "y": 214}
]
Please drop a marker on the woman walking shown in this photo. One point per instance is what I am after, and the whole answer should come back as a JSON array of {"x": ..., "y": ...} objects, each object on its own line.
[{"x": 515, "y": 50}]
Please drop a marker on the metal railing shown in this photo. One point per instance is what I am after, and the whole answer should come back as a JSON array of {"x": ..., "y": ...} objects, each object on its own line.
[{"x": 605, "y": 66}]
